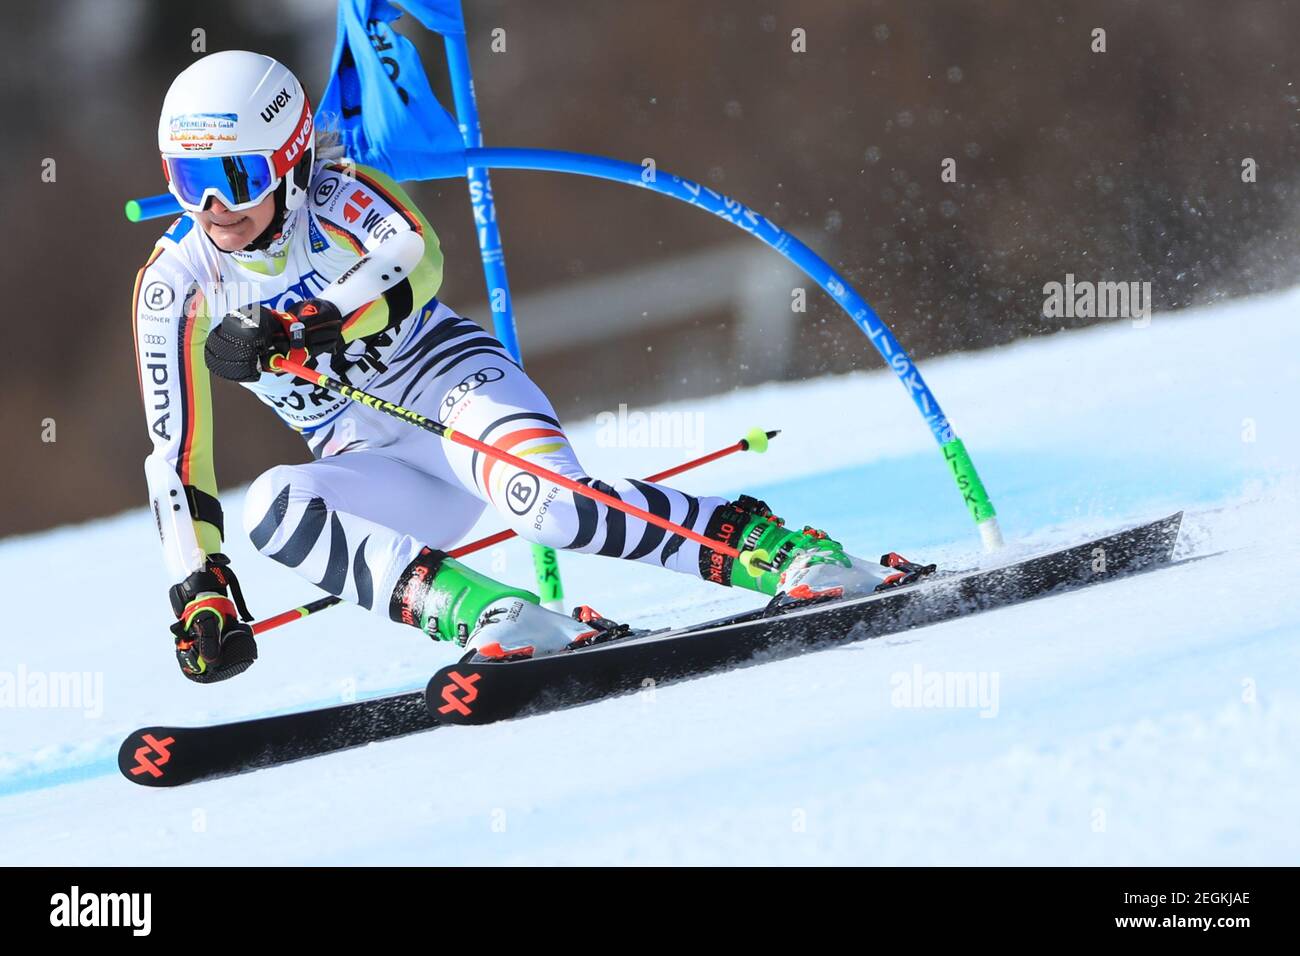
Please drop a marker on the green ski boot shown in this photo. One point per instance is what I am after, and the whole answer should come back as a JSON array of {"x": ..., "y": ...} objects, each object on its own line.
[
  {"x": 452, "y": 602},
  {"x": 803, "y": 565}
]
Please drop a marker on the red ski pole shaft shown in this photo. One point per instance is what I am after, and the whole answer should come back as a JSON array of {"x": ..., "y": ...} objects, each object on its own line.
[
  {"x": 297, "y": 614},
  {"x": 279, "y": 363},
  {"x": 496, "y": 538}
]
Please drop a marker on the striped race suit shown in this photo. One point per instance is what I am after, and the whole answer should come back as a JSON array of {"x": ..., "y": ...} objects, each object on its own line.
[{"x": 378, "y": 490}]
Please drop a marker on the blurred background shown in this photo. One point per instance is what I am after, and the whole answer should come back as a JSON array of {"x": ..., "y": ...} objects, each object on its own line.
[{"x": 1123, "y": 165}]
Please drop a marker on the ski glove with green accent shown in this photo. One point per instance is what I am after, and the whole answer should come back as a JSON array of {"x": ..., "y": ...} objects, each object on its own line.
[{"x": 212, "y": 642}]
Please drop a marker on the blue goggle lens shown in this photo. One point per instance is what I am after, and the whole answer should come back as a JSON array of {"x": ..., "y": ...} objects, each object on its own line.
[{"x": 239, "y": 180}]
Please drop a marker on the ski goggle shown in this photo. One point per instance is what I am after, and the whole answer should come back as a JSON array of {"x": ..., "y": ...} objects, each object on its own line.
[{"x": 241, "y": 181}]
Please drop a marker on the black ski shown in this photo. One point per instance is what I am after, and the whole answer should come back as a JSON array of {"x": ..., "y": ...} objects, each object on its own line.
[
  {"x": 462, "y": 693},
  {"x": 480, "y": 693},
  {"x": 170, "y": 756}
]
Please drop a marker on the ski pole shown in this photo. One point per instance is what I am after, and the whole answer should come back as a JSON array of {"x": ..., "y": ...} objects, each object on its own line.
[
  {"x": 756, "y": 441},
  {"x": 297, "y": 614}
]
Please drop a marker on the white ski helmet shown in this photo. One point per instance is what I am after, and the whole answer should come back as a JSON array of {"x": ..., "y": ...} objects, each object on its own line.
[{"x": 235, "y": 125}]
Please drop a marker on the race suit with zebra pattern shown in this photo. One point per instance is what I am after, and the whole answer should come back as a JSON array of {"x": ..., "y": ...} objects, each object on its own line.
[{"x": 378, "y": 490}]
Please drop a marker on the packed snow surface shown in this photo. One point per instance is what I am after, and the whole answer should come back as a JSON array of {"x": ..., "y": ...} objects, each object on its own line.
[{"x": 1152, "y": 720}]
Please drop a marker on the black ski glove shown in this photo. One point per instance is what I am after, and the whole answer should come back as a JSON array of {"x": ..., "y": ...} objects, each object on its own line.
[
  {"x": 237, "y": 348},
  {"x": 242, "y": 345},
  {"x": 212, "y": 642},
  {"x": 322, "y": 326}
]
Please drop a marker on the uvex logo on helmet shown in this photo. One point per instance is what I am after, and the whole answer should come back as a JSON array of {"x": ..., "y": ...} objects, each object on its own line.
[
  {"x": 288, "y": 154},
  {"x": 273, "y": 108}
]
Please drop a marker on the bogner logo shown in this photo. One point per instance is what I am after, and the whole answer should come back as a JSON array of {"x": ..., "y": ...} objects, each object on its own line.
[
  {"x": 276, "y": 105},
  {"x": 158, "y": 295},
  {"x": 326, "y": 189},
  {"x": 522, "y": 492}
]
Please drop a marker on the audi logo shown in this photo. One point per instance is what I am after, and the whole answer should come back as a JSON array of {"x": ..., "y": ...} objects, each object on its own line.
[{"x": 467, "y": 385}]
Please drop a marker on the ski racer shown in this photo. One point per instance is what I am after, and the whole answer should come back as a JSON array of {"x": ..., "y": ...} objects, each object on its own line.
[{"x": 284, "y": 249}]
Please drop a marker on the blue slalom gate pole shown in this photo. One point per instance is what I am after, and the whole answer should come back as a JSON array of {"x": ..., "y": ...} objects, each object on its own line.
[
  {"x": 546, "y": 564},
  {"x": 480, "y": 194}
]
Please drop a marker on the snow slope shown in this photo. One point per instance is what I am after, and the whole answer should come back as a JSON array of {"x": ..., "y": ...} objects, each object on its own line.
[{"x": 1152, "y": 720}]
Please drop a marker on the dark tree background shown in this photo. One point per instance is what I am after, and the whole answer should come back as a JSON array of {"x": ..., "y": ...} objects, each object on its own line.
[{"x": 1121, "y": 165}]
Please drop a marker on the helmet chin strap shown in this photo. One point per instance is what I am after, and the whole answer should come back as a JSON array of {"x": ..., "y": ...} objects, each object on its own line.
[{"x": 273, "y": 228}]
